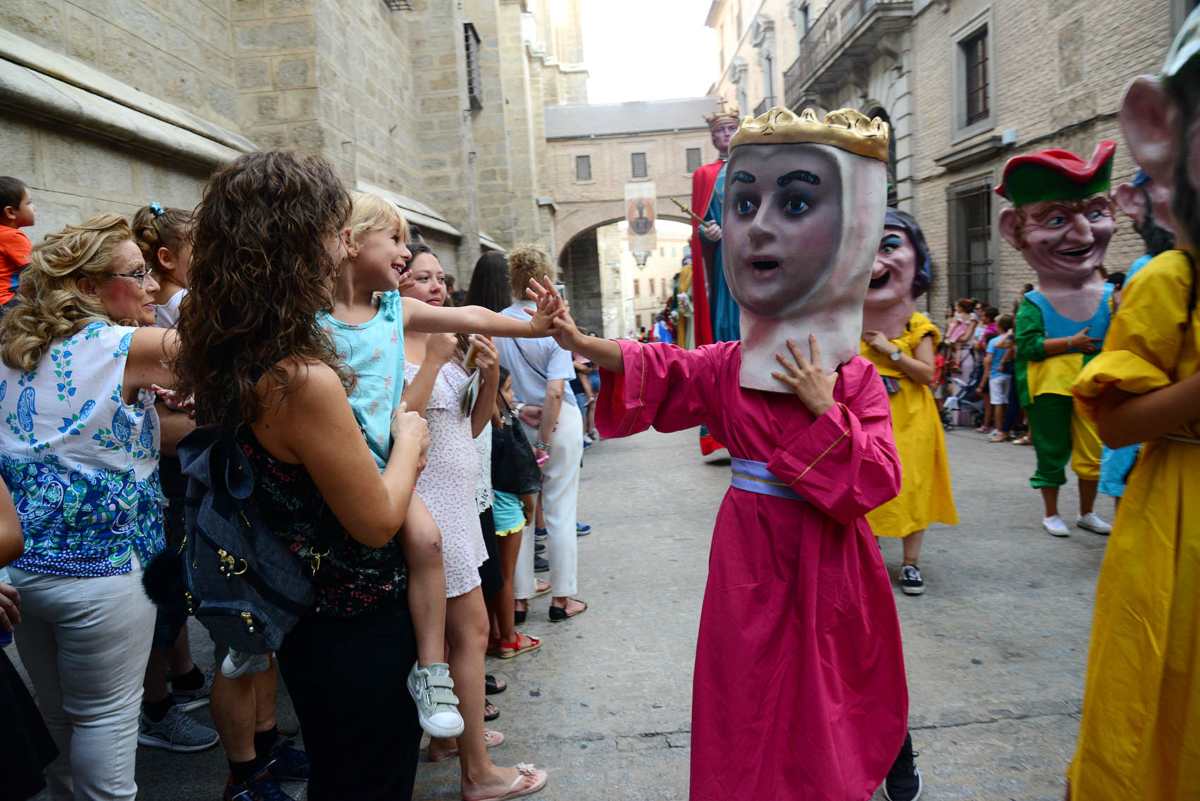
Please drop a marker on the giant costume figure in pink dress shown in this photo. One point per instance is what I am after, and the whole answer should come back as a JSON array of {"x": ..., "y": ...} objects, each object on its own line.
[{"x": 800, "y": 690}]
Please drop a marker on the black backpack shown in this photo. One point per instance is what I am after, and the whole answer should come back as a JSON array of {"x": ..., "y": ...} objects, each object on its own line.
[
  {"x": 241, "y": 580},
  {"x": 514, "y": 467}
]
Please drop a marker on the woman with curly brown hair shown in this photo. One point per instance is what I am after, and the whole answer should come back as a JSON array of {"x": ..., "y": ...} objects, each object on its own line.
[
  {"x": 266, "y": 243},
  {"x": 80, "y": 455}
]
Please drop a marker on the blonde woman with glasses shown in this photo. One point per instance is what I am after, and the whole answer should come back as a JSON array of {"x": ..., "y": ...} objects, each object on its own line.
[{"x": 79, "y": 449}]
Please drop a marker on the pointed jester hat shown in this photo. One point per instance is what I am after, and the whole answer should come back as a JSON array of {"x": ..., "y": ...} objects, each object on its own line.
[{"x": 1057, "y": 174}]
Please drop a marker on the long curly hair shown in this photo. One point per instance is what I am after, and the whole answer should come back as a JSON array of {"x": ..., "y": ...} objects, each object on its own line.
[
  {"x": 489, "y": 283},
  {"x": 260, "y": 272},
  {"x": 51, "y": 303}
]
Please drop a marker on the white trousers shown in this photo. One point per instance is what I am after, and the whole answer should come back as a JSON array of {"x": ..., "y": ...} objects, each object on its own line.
[
  {"x": 560, "y": 491},
  {"x": 85, "y": 643}
]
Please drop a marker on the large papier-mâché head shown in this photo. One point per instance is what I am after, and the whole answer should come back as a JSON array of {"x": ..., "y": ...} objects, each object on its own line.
[
  {"x": 901, "y": 273},
  {"x": 1061, "y": 218},
  {"x": 722, "y": 125},
  {"x": 1160, "y": 118},
  {"x": 804, "y": 208}
]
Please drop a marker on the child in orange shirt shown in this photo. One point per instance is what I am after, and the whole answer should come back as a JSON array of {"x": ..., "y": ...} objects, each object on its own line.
[{"x": 16, "y": 212}]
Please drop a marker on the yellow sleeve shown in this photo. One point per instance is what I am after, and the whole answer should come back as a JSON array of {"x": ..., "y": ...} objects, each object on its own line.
[
  {"x": 919, "y": 327},
  {"x": 1144, "y": 341}
]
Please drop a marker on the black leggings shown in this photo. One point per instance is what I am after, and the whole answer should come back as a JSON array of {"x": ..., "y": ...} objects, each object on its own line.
[
  {"x": 346, "y": 677},
  {"x": 489, "y": 571}
]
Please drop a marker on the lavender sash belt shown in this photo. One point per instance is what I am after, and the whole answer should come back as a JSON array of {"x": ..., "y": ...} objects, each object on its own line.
[{"x": 753, "y": 476}]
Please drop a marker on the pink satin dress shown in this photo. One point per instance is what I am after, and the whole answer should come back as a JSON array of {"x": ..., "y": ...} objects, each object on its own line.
[{"x": 800, "y": 691}]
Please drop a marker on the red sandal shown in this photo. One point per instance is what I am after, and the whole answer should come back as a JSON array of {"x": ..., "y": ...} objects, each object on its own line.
[{"x": 507, "y": 650}]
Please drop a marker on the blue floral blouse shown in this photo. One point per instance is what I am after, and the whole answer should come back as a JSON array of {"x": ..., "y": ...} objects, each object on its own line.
[{"x": 81, "y": 464}]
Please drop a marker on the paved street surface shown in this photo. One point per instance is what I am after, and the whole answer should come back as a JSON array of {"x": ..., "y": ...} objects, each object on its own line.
[{"x": 995, "y": 648}]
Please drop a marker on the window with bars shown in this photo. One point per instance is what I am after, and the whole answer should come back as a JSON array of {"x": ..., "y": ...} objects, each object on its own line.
[
  {"x": 474, "y": 71},
  {"x": 975, "y": 63},
  {"x": 971, "y": 271},
  {"x": 583, "y": 168},
  {"x": 651, "y": 287},
  {"x": 694, "y": 154},
  {"x": 637, "y": 288},
  {"x": 638, "y": 165}
]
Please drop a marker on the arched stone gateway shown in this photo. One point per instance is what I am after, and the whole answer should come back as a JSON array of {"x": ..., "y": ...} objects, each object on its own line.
[
  {"x": 592, "y": 290},
  {"x": 592, "y": 153}
]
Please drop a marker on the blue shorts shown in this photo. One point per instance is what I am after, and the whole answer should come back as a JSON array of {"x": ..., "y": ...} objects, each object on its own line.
[{"x": 1115, "y": 466}]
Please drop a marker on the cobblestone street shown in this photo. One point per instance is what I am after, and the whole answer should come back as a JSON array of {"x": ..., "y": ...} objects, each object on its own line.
[{"x": 995, "y": 648}]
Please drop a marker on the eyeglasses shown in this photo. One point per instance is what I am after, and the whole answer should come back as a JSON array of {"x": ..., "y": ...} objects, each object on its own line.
[{"x": 139, "y": 276}]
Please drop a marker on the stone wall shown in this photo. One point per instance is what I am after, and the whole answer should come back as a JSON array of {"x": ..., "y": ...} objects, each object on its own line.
[
  {"x": 739, "y": 45},
  {"x": 1058, "y": 72},
  {"x": 183, "y": 55},
  {"x": 72, "y": 178},
  {"x": 585, "y": 204},
  {"x": 886, "y": 84},
  {"x": 181, "y": 52},
  {"x": 493, "y": 148},
  {"x": 146, "y": 96}
]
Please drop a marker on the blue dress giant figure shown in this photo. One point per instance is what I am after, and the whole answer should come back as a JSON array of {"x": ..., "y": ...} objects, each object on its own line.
[{"x": 726, "y": 318}]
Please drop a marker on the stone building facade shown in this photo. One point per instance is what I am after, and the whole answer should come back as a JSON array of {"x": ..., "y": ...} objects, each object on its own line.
[
  {"x": 1053, "y": 75},
  {"x": 967, "y": 84},
  {"x": 756, "y": 40},
  {"x": 592, "y": 153},
  {"x": 108, "y": 104}
]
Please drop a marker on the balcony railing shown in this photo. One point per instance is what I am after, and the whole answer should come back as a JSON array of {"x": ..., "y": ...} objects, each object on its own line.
[{"x": 839, "y": 25}]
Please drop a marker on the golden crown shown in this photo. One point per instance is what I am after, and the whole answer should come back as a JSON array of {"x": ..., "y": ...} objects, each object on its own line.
[
  {"x": 845, "y": 129},
  {"x": 724, "y": 113}
]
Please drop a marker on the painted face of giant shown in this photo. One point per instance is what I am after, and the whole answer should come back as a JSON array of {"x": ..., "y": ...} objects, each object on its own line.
[
  {"x": 782, "y": 225},
  {"x": 893, "y": 272},
  {"x": 801, "y": 226},
  {"x": 1065, "y": 241},
  {"x": 722, "y": 134}
]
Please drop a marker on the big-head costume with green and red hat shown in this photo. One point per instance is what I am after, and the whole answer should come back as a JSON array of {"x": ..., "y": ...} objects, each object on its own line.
[{"x": 1061, "y": 219}]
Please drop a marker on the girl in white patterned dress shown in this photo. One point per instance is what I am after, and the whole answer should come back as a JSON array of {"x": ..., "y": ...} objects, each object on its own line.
[{"x": 436, "y": 382}]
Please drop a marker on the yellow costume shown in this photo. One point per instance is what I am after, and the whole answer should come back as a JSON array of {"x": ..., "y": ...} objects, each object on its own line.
[
  {"x": 925, "y": 495},
  {"x": 1140, "y": 732},
  {"x": 685, "y": 336}
]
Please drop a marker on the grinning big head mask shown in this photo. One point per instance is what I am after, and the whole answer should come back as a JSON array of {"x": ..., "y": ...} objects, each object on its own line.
[
  {"x": 902, "y": 272},
  {"x": 1061, "y": 218},
  {"x": 804, "y": 206}
]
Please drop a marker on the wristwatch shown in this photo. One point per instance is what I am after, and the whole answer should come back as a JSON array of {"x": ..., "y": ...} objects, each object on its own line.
[
  {"x": 895, "y": 355},
  {"x": 542, "y": 446}
]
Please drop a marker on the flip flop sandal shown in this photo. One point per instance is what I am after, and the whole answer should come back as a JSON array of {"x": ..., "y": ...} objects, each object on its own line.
[
  {"x": 558, "y": 614},
  {"x": 490, "y": 711},
  {"x": 491, "y": 738},
  {"x": 508, "y": 650},
  {"x": 542, "y": 588},
  {"x": 529, "y": 781},
  {"x": 493, "y": 685}
]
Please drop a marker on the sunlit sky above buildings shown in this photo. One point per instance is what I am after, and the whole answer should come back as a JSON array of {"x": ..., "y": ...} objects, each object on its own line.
[{"x": 648, "y": 49}]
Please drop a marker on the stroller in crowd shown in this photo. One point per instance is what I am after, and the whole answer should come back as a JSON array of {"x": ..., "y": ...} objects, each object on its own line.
[{"x": 963, "y": 406}]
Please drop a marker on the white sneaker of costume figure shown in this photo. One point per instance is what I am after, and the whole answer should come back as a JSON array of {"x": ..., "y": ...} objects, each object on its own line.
[{"x": 1091, "y": 521}]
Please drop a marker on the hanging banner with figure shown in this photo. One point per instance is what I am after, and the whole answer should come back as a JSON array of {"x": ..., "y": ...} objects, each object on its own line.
[{"x": 640, "y": 216}]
